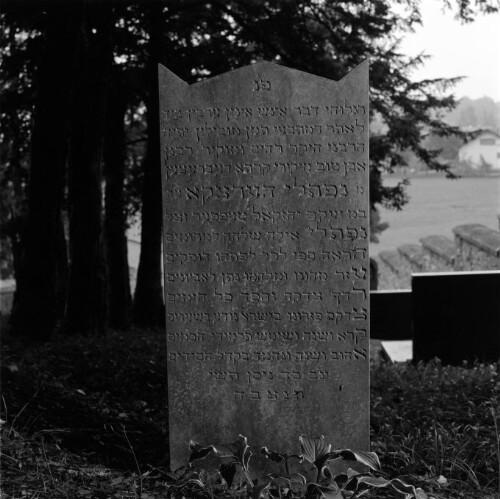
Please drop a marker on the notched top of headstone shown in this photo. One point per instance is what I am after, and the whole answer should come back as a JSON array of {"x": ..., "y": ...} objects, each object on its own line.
[
  {"x": 265, "y": 210},
  {"x": 356, "y": 79},
  {"x": 361, "y": 68}
]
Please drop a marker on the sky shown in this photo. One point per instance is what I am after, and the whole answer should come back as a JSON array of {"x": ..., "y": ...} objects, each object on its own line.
[{"x": 457, "y": 49}]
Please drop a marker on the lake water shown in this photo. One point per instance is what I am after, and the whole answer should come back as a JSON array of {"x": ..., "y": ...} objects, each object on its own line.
[{"x": 436, "y": 206}]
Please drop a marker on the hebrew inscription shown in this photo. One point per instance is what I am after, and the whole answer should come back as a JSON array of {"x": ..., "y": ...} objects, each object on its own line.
[{"x": 265, "y": 241}]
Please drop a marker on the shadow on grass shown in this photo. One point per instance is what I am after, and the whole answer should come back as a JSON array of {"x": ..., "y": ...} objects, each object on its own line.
[{"x": 104, "y": 398}]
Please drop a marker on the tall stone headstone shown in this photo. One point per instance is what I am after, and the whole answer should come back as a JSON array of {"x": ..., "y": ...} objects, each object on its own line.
[{"x": 265, "y": 241}]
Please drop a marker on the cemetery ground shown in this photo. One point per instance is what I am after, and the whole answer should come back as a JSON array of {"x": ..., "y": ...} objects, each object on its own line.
[{"x": 87, "y": 417}]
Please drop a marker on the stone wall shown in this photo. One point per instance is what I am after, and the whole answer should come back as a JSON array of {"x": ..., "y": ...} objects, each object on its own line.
[
  {"x": 478, "y": 248},
  {"x": 412, "y": 258},
  {"x": 438, "y": 254},
  {"x": 390, "y": 274},
  {"x": 475, "y": 247}
]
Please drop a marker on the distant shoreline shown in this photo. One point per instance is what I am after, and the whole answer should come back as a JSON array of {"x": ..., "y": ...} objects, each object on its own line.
[{"x": 432, "y": 174}]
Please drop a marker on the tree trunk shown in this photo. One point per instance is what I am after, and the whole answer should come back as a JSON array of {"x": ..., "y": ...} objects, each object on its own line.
[
  {"x": 39, "y": 284},
  {"x": 119, "y": 297},
  {"x": 148, "y": 299},
  {"x": 62, "y": 269},
  {"x": 86, "y": 307},
  {"x": 15, "y": 228}
]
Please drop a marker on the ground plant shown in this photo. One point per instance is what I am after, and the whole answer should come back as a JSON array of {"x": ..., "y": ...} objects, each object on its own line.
[
  {"x": 321, "y": 482},
  {"x": 87, "y": 417}
]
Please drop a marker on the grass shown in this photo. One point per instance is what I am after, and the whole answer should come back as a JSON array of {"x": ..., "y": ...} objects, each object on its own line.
[
  {"x": 439, "y": 424},
  {"x": 87, "y": 417},
  {"x": 436, "y": 206}
]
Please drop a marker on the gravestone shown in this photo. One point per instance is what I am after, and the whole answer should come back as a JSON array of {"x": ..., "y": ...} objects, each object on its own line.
[
  {"x": 391, "y": 315},
  {"x": 265, "y": 241},
  {"x": 456, "y": 316}
]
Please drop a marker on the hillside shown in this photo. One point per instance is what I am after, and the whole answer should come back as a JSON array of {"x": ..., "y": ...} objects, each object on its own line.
[{"x": 475, "y": 113}]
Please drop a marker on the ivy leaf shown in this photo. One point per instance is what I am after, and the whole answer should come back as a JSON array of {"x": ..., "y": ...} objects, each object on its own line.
[
  {"x": 227, "y": 471},
  {"x": 272, "y": 456},
  {"x": 199, "y": 452},
  {"x": 289, "y": 480},
  {"x": 420, "y": 493},
  {"x": 373, "y": 481},
  {"x": 324, "y": 491},
  {"x": 192, "y": 481},
  {"x": 172, "y": 477},
  {"x": 327, "y": 473},
  {"x": 343, "y": 479},
  {"x": 259, "y": 488},
  {"x": 315, "y": 450},
  {"x": 297, "y": 478},
  {"x": 351, "y": 473},
  {"x": 369, "y": 459},
  {"x": 239, "y": 450},
  {"x": 409, "y": 491}
]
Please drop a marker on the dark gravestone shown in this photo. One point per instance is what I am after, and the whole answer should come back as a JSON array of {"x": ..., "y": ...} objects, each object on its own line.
[
  {"x": 265, "y": 198},
  {"x": 391, "y": 315},
  {"x": 456, "y": 316}
]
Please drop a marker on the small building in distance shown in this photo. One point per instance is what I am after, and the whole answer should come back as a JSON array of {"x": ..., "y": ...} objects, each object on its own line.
[{"x": 482, "y": 153}]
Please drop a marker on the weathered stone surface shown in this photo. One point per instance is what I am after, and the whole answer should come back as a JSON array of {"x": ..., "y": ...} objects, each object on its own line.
[
  {"x": 390, "y": 271},
  {"x": 456, "y": 316},
  {"x": 412, "y": 258},
  {"x": 481, "y": 236},
  {"x": 265, "y": 198},
  {"x": 478, "y": 247},
  {"x": 439, "y": 253}
]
